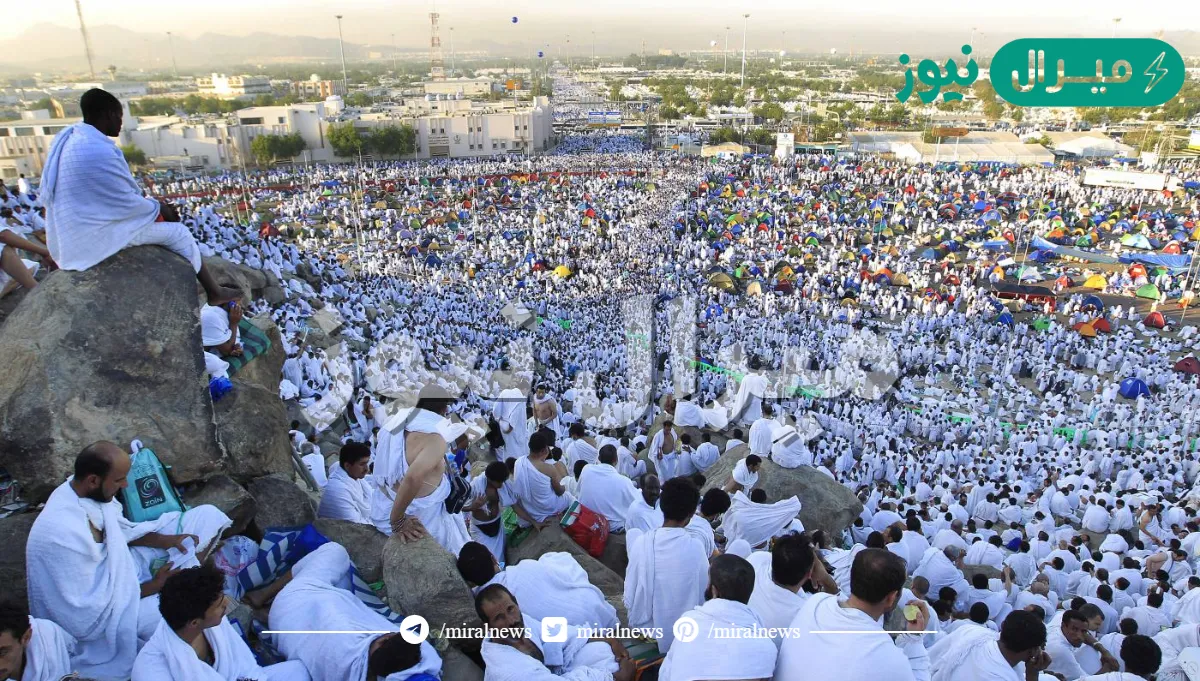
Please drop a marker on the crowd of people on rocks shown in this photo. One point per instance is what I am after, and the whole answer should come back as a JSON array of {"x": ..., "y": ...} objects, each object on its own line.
[{"x": 498, "y": 344}]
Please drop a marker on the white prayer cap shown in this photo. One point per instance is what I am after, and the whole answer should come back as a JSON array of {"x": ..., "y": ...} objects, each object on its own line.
[{"x": 739, "y": 547}]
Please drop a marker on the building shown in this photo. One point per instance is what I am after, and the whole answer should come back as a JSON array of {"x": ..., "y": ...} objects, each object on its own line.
[
  {"x": 1089, "y": 144},
  {"x": 314, "y": 89},
  {"x": 998, "y": 147},
  {"x": 467, "y": 87},
  {"x": 30, "y": 140},
  {"x": 459, "y": 128},
  {"x": 232, "y": 87}
]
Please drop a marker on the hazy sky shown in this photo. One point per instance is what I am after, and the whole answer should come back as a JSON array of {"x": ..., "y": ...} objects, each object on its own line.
[{"x": 692, "y": 23}]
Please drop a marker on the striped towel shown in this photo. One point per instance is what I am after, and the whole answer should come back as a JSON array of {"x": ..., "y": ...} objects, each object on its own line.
[{"x": 254, "y": 343}]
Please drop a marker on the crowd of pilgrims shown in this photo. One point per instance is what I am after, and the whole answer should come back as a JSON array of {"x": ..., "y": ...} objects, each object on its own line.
[{"x": 1025, "y": 514}]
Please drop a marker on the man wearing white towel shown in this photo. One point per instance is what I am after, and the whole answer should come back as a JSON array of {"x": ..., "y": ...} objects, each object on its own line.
[
  {"x": 722, "y": 655},
  {"x": 876, "y": 582},
  {"x": 90, "y": 569},
  {"x": 538, "y": 484},
  {"x": 347, "y": 495},
  {"x": 94, "y": 208},
  {"x": 745, "y": 475},
  {"x": 668, "y": 567},
  {"x": 196, "y": 642},
  {"x": 779, "y": 578},
  {"x": 605, "y": 491},
  {"x": 315, "y": 596},
  {"x": 644, "y": 513},
  {"x": 32, "y": 649}
]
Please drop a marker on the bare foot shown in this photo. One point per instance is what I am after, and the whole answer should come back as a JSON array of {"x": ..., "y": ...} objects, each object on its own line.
[{"x": 224, "y": 295}]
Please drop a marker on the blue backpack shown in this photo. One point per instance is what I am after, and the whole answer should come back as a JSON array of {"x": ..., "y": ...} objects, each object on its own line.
[{"x": 150, "y": 492}]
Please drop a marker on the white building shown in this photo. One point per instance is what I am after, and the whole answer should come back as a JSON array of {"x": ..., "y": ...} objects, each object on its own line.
[
  {"x": 458, "y": 128},
  {"x": 467, "y": 87},
  {"x": 315, "y": 89},
  {"x": 229, "y": 87}
]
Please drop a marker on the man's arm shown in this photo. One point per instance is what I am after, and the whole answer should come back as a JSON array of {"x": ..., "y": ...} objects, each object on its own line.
[
  {"x": 524, "y": 515},
  {"x": 11, "y": 238},
  {"x": 166, "y": 542}
]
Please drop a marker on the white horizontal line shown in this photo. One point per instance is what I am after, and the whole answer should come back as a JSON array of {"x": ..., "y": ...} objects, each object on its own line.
[
  {"x": 330, "y": 632},
  {"x": 880, "y": 631}
]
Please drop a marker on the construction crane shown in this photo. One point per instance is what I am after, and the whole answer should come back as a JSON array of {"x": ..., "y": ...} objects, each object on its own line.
[{"x": 87, "y": 43}]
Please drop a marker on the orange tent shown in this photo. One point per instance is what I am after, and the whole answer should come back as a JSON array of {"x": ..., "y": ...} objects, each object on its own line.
[
  {"x": 1155, "y": 320},
  {"x": 1173, "y": 248},
  {"x": 1085, "y": 330},
  {"x": 1101, "y": 324},
  {"x": 886, "y": 272},
  {"x": 1137, "y": 270}
]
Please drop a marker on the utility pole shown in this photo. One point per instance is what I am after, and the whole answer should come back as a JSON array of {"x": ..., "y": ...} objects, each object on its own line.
[
  {"x": 452, "y": 50},
  {"x": 593, "y": 49},
  {"x": 726, "y": 67},
  {"x": 87, "y": 43},
  {"x": 342, "y": 51},
  {"x": 171, "y": 44},
  {"x": 394, "y": 69},
  {"x": 745, "y": 27},
  {"x": 1116, "y": 20}
]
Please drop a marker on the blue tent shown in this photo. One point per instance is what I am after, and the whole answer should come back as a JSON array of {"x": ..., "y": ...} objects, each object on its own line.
[
  {"x": 713, "y": 310},
  {"x": 1005, "y": 318},
  {"x": 432, "y": 260},
  {"x": 1132, "y": 388},
  {"x": 998, "y": 245},
  {"x": 928, "y": 254},
  {"x": 1093, "y": 301},
  {"x": 1042, "y": 256},
  {"x": 883, "y": 280}
]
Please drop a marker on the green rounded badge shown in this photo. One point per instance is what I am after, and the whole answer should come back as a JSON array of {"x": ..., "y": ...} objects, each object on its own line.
[{"x": 1087, "y": 72}]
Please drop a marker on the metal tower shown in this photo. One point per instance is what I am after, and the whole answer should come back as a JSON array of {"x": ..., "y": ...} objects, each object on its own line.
[
  {"x": 437, "y": 70},
  {"x": 87, "y": 43}
]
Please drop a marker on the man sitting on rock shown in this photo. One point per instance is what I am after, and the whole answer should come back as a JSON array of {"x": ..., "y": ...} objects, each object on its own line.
[
  {"x": 94, "y": 208},
  {"x": 315, "y": 596},
  {"x": 347, "y": 495},
  {"x": 196, "y": 642},
  {"x": 519, "y": 651},
  {"x": 32, "y": 649},
  {"x": 90, "y": 569},
  {"x": 538, "y": 484},
  {"x": 745, "y": 475},
  {"x": 219, "y": 329},
  {"x": 554, "y": 585},
  {"x": 12, "y": 268},
  {"x": 644, "y": 513},
  {"x": 605, "y": 491}
]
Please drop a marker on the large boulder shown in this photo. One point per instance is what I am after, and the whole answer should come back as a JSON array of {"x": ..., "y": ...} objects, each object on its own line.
[
  {"x": 266, "y": 370},
  {"x": 553, "y": 539},
  {"x": 825, "y": 504},
  {"x": 253, "y": 425},
  {"x": 233, "y": 500},
  {"x": 457, "y": 666},
  {"x": 112, "y": 353},
  {"x": 281, "y": 503},
  {"x": 249, "y": 280},
  {"x": 364, "y": 543},
  {"x": 14, "y": 533},
  {"x": 422, "y": 579}
]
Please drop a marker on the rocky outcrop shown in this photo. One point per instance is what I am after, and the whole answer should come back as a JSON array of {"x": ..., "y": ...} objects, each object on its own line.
[
  {"x": 252, "y": 282},
  {"x": 253, "y": 426},
  {"x": 111, "y": 353},
  {"x": 233, "y": 500},
  {"x": 552, "y": 539},
  {"x": 457, "y": 666},
  {"x": 364, "y": 543},
  {"x": 281, "y": 503},
  {"x": 825, "y": 505},
  {"x": 14, "y": 533},
  {"x": 422, "y": 579}
]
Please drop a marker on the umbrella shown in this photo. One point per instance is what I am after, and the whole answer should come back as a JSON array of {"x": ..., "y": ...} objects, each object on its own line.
[
  {"x": 1005, "y": 318},
  {"x": 1096, "y": 281},
  {"x": 562, "y": 271},
  {"x": 721, "y": 281},
  {"x": 754, "y": 289}
]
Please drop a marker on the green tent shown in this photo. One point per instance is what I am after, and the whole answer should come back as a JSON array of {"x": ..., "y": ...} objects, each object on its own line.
[
  {"x": 1041, "y": 324},
  {"x": 1149, "y": 291}
]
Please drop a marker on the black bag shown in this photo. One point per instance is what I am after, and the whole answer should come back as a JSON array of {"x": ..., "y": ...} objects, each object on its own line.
[
  {"x": 491, "y": 529},
  {"x": 460, "y": 494}
]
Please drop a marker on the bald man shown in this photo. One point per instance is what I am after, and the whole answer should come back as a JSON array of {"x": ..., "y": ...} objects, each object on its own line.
[{"x": 90, "y": 569}]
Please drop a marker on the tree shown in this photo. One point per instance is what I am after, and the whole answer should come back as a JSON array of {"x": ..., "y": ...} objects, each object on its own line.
[
  {"x": 359, "y": 99},
  {"x": 769, "y": 112},
  {"x": 739, "y": 99},
  {"x": 1092, "y": 115},
  {"x": 761, "y": 136},
  {"x": 133, "y": 155},
  {"x": 392, "y": 140},
  {"x": 43, "y": 103},
  {"x": 345, "y": 139},
  {"x": 270, "y": 148},
  {"x": 614, "y": 93},
  {"x": 993, "y": 110},
  {"x": 1044, "y": 140},
  {"x": 669, "y": 113}
]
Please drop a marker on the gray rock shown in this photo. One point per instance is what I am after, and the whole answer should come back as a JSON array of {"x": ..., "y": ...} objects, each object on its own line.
[
  {"x": 364, "y": 543},
  {"x": 281, "y": 503},
  {"x": 274, "y": 295},
  {"x": 253, "y": 426},
  {"x": 422, "y": 579},
  {"x": 233, "y": 500},
  {"x": 266, "y": 370},
  {"x": 112, "y": 353},
  {"x": 457, "y": 666},
  {"x": 825, "y": 504},
  {"x": 250, "y": 281},
  {"x": 615, "y": 557},
  {"x": 553, "y": 539},
  {"x": 14, "y": 533},
  {"x": 969, "y": 571}
]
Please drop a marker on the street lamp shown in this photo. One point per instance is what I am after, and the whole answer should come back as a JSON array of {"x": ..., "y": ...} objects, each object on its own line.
[
  {"x": 726, "y": 67},
  {"x": 451, "y": 50},
  {"x": 342, "y": 50},
  {"x": 745, "y": 27},
  {"x": 394, "y": 69},
  {"x": 171, "y": 44}
]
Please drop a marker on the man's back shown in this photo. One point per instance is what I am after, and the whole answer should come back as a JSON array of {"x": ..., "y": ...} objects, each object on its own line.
[{"x": 869, "y": 657}]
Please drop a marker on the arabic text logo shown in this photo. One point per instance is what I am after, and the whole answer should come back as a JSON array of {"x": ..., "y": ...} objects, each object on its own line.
[
  {"x": 929, "y": 73},
  {"x": 1022, "y": 73}
]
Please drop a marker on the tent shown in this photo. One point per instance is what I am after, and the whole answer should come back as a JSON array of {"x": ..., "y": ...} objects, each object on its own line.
[
  {"x": 562, "y": 271},
  {"x": 1086, "y": 330},
  {"x": 721, "y": 281},
  {"x": 1155, "y": 320},
  {"x": 1101, "y": 324},
  {"x": 1005, "y": 318},
  {"x": 1149, "y": 291},
  {"x": 1041, "y": 323},
  {"x": 1132, "y": 388},
  {"x": 754, "y": 289},
  {"x": 1093, "y": 301},
  {"x": 1096, "y": 281},
  {"x": 1188, "y": 365},
  {"x": 1137, "y": 270},
  {"x": 1136, "y": 241}
]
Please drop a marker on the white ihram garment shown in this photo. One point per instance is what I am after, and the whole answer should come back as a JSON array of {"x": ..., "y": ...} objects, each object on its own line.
[
  {"x": 710, "y": 658},
  {"x": 666, "y": 577}
]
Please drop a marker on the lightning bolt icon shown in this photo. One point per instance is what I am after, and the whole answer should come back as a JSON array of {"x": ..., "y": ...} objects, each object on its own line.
[{"x": 1155, "y": 71}]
